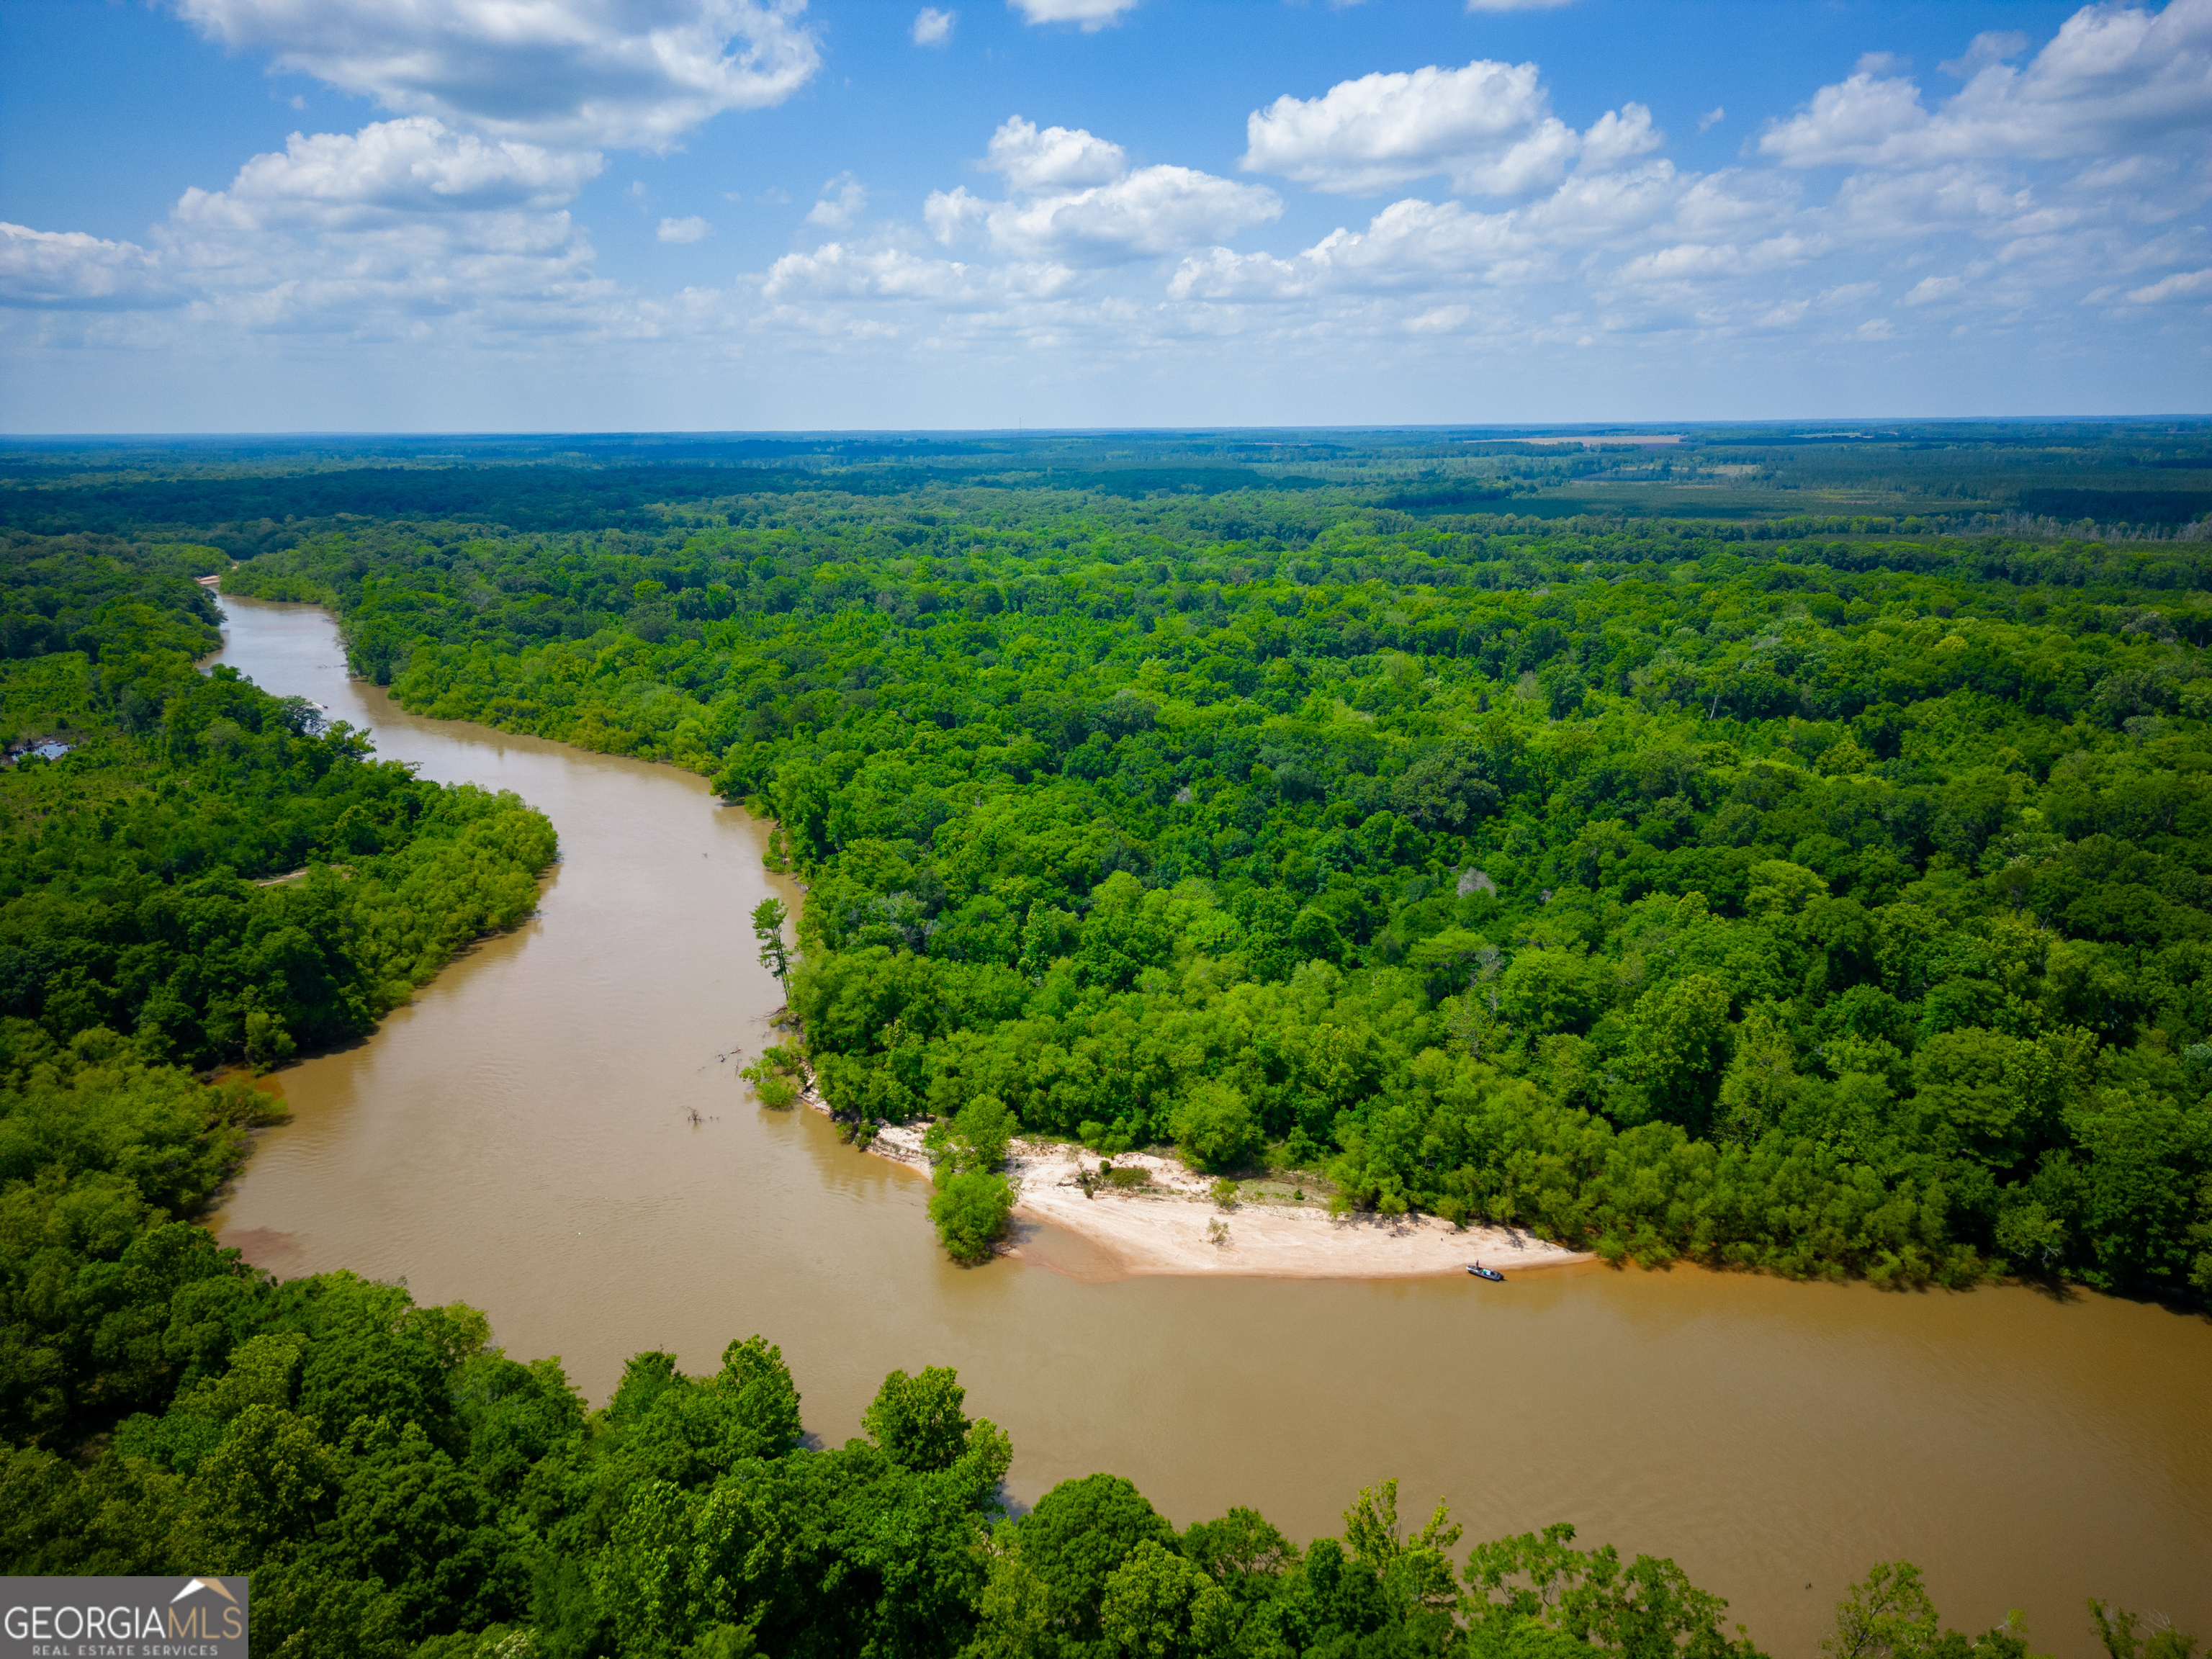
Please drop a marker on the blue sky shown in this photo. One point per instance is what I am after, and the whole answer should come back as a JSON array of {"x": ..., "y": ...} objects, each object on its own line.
[{"x": 404, "y": 214}]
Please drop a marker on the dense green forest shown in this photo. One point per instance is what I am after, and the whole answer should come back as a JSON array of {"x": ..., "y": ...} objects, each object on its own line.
[
  {"x": 1831, "y": 903},
  {"x": 144, "y": 945},
  {"x": 2125, "y": 480},
  {"x": 212, "y": 872},
  {"x": 1823, "y": 898}
]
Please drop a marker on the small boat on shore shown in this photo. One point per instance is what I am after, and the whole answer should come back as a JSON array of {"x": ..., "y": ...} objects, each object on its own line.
[{"x": 1489, "y": 1273}]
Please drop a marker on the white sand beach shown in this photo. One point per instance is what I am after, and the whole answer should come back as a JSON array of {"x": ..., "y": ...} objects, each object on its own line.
[{"x": 1171, "y": 1225}]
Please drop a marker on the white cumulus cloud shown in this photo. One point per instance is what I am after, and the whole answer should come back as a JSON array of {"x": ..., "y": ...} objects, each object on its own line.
[
  {"x": 1419, "y": 246},
  {"x": 1967, "y": 198},
  {"x": 933, "y": 27},
  {"x": 2053, "y": 195},
  {"x": 837, "y": 271},
  {"x": 1092, "y": 15},
  {"x": 1152, "y": 211},
  {"x": 1618, "y": 137},
  {"x": 1076, "y": 200},
  {"x": 844, "y": 199},
  {"x": 1058, "y": 158},
  {"x": 2114, "y": 77},
  {"x": 68, "y": 269},
  {"x": 1488, "y": 127},
  {"x": 387, "y": 168},
  {"x": 579, "y": 72},
  {"x": 953, "y": 215},
  {"x": 382, "y": 229},
  {"x": 1991, "y": 47},
  {"x": 1690, "y": 261}
]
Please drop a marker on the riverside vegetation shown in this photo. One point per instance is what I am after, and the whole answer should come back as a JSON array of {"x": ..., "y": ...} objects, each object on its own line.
[
  {"x": 1772, "y": 897},
  {"x": 1029, "y": 861},
  {"x": 144, "y": 945}
]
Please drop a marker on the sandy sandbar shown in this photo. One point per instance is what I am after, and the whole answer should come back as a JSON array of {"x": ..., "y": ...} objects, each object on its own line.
[{"x": 1172, "y": 1226}]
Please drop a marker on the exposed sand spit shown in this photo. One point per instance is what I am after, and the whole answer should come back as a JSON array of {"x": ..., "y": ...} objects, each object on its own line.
[{"x": 1171, "y": 1225}]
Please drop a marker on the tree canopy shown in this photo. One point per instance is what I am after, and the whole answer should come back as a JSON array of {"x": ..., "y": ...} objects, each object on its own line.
[
  {"x": 1822, "y": 898},
  {"x": 1832, "y": 904}
]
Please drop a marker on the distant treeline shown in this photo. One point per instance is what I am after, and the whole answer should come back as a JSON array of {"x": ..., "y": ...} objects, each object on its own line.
[
  {"x": 245, "y": 498},
  {"x": 522, "y": 498},
  {"x": 2162, "y": 506}
]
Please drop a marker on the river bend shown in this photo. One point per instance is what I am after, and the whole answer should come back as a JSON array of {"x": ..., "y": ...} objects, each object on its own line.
[{"x": 554, "y": 1132}]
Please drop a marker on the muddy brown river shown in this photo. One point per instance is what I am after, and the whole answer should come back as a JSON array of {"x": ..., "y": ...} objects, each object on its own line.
[{"x": 553, "y": 1131}]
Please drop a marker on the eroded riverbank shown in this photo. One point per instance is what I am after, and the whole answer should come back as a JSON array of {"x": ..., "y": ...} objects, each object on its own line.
[{"x": 553, "y": 1131}]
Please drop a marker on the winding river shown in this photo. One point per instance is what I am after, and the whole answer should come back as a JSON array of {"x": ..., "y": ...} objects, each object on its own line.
[{"x": 554, "y": 1132}]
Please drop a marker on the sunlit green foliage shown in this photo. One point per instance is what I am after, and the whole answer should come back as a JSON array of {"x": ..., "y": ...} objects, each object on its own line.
[
  {"x": 970, "y": 1211},
  {"x": 136, "y": 941},
  {"x": 1890, "y": 1616},
  {"x": 1838, "y": 911},
  {"x": 138, "y": 873},
  {"x": 1820, "y": 904}
]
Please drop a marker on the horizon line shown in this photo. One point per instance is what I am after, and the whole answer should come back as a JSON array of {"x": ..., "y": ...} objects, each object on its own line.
[{"x": 1594, "y": 428}]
